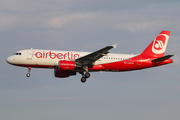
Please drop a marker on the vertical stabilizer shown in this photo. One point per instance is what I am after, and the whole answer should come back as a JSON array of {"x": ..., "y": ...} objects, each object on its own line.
[{"x": 158, "y": 46}]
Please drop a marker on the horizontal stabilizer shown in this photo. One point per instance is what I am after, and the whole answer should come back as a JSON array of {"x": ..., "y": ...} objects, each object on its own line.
[{"x": 162, "y": 58}]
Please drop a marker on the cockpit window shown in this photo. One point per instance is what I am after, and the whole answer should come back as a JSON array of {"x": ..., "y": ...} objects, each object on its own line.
[{"x": 17, "y": 54}]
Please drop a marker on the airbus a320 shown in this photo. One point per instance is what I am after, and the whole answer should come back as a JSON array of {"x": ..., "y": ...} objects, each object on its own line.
[{"x": 69, "y": 63}]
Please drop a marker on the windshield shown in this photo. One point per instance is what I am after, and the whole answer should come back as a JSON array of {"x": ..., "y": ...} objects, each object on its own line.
[{"x": 17, "y": 54}]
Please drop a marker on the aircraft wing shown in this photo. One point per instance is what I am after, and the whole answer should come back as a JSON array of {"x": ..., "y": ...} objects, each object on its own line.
[{"x": 92, "y": 57}]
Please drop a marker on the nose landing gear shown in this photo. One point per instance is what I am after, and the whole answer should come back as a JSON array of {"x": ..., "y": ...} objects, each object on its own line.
[{"x": 29, "y": 70}]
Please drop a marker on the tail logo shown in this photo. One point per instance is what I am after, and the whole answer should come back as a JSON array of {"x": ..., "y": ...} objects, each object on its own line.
[{"x": 159, "y": 44}]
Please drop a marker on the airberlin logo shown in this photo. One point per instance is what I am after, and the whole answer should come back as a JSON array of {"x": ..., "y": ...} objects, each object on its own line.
[
  {"x": 159, "y": 44},
  {"x": 52, "y": 55}
]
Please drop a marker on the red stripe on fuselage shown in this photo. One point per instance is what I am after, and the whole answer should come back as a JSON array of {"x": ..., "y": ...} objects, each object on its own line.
[{"x": 125, "y": 65}]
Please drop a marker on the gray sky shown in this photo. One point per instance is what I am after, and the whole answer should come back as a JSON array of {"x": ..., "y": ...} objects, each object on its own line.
[{"x": 80, "y": 25}]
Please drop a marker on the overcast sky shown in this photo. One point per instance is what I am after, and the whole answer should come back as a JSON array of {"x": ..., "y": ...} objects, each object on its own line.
[{"x": 80, "y": 25}]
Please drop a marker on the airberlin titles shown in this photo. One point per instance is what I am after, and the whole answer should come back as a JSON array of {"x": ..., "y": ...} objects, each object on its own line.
[{"x": 53, "y": 55}]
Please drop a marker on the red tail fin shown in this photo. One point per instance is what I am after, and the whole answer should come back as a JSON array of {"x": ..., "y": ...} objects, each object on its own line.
[{"x": 158, "y": 47}]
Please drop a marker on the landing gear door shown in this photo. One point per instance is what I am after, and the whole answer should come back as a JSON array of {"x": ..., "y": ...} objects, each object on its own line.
[{"x": 29, "y": 54}]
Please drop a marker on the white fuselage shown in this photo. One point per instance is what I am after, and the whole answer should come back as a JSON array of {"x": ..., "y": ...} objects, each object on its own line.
[{"x": 52, "y": 57}]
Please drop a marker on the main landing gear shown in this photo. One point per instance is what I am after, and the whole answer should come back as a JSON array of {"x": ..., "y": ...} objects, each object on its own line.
[
  {"x": 29, "y": 70},
  {"x": 87, "y": 75},
  {"x": 84, "y": 77}
]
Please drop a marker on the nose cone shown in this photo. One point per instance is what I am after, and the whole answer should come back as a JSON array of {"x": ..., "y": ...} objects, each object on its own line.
[{"x": 9, "y": 60}]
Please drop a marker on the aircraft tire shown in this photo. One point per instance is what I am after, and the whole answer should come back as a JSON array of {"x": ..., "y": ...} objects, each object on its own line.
[
  {"x": 83, "y": 79},
  {"x": 87, "y": 75},
  {"x": 28, "y": 75}
]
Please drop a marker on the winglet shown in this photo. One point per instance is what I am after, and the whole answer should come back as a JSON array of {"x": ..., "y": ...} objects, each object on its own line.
[{"x": 114, "y": 46}]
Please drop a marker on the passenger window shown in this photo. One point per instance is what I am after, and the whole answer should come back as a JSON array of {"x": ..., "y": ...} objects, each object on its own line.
[{"x": 19, "y": 53}]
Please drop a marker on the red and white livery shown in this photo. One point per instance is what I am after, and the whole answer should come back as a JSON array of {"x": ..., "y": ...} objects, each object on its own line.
[{"x": 68, "y": 63}]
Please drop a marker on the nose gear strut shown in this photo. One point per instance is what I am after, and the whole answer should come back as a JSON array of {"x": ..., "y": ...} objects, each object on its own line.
[{"x": 29, "y": 70}]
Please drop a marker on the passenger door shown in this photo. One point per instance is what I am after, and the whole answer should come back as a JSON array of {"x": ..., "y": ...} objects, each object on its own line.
[{"x": 29, "y": 54}]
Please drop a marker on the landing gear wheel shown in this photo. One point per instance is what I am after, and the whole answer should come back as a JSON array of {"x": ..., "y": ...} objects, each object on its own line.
[
  {"x": 28, "y": 74},
  {"x": 87, "y": 75},
  {"x": 29, "y": 70},
  {"x": 83, "y": 79}
]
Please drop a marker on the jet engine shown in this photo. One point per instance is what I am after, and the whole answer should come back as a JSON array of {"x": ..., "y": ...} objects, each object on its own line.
[
  {"x": 66, "y": 65},
  {"x": 62, "y": 73}
]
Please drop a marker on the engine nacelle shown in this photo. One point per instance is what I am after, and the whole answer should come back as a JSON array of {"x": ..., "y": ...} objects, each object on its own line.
[
  {"x": 66, "y": 65},
  {"x": 62, "y": 74}
]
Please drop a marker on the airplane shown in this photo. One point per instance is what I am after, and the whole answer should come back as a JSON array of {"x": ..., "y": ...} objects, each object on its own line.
[{"x": 69, "y": 63}]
